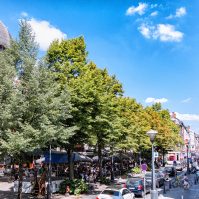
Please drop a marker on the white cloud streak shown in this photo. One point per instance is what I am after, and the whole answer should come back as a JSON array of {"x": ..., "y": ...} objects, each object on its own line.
[
  {"x": 180, "y": 12},
  {"x": 140, "y": 9},
  {"x": 45, "y": 33},
  {"x": 154, "y": 5},
  {"x": 24, "y": 14},
  {"x": 186, "y": 100},
  {"x": 154, "y": 14},
  {"x": 187, "y": 117},
  {"x": 154, "y": 100},
  {"x": 162, "y": 32}
]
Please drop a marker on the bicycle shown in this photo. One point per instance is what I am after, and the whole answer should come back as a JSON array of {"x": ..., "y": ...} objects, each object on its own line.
[{"x": 177, "y": 183}]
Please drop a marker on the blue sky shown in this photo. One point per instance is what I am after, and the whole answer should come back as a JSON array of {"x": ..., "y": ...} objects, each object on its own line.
[{"x": 151, "y": 46}]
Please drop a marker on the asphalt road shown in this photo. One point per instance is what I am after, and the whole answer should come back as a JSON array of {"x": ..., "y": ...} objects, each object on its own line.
[{"x": 174, "y": 193}]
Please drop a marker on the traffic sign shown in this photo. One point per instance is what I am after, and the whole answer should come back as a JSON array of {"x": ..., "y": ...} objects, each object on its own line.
[
  {"x": 144, "y": 167},
  {"x": 156, "y": 154}
]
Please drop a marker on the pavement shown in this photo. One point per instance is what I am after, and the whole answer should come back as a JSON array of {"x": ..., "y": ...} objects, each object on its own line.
[{"x": 6, "y": 192}]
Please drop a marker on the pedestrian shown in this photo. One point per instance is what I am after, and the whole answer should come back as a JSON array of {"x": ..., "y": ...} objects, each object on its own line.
[{"x": 42, "y": 186}]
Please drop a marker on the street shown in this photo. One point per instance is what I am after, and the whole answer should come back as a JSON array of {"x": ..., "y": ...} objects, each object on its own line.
[{"x": 173, "y": 193}]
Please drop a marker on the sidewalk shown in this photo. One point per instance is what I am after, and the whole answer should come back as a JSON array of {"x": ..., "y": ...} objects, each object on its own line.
[{"x": 180, "y": 193}]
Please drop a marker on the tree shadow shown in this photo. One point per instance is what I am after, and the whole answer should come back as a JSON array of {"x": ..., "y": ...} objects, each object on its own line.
[{"x": 13, "y": 195}]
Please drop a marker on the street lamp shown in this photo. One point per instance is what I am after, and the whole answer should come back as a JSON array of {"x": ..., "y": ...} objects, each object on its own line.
[
  {"x": 188, "y": 158},
  {"x": 154, "y": 193},
  {"x": 49, "y": 174}
]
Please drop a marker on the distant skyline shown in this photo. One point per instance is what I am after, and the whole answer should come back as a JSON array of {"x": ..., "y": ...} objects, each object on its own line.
[{"x": 151, "y": 46}]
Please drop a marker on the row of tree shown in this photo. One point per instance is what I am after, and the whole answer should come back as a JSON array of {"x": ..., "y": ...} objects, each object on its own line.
[{"x": 64, "y": 100}]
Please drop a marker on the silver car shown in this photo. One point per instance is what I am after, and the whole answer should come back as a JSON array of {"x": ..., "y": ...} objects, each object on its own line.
[
  {"x": 179, "y": 166},
  {"x": 114, "y": 193},
  {"x": 158, "y": 177}
]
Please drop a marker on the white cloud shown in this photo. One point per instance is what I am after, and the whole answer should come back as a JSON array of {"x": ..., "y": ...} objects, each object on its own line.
[
  {"x": 45, "y": 33},
  {"x": 146, "y": 31},
  {"x": 167, "y": 32},
  {"x": 140, "y": 9},
  {"x": 187, "y": 117},
  {"x": 154, "y": 5},
  {"x": 24, "y": 14},
  {"x": 163, "y": 32},
  {"x": 180, "y": 12},
  {"x": 154, "y": 100},
  {"x": 153, "y": 14},
  {"x": 186, "y": 100}
]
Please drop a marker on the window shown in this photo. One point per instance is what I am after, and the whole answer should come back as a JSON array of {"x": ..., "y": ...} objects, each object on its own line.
[
  {"x": 111, "y": 192},
  {"x": 125, "y": 191}
]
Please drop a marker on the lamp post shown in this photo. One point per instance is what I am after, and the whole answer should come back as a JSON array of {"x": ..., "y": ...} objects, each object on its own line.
[
  {"x": 154, "y": 193},
  {"x": 188, "y": 158},
  {"x": 112, "y": 163},
  {"x": 49, "y": 174}
]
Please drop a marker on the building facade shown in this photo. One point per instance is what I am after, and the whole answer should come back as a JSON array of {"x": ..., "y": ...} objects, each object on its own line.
[{"x": 182, "y": 151}]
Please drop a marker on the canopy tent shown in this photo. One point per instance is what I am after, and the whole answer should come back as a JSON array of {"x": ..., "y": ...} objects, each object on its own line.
[
  {"x": 62, "y": 157},
  {"x": 96, "y": 158},
  {"x": 122, "y": 156}
]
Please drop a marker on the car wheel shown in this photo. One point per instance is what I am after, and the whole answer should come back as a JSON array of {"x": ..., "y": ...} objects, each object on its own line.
[{"x": 142, "y": 194}]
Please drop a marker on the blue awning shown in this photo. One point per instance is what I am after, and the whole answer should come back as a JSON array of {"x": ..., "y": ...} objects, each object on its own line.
[
  {"x": 62, "y": 157},
  {"x": 56, "y": 157}
]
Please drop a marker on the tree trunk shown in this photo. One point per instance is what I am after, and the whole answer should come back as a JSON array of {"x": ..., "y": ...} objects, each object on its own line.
[
  {"x": 163, "y": 154},
  {"x": 71, "y": 164},
  {"x": 13, "y": 168},
  {"x": 100, "y": 159},
  {"x": 19, "y": 196},
  {"x": 121, "y": 163}
]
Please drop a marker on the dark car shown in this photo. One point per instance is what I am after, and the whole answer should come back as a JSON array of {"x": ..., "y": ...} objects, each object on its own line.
[
  {"x": 171, "y": 170},
  {"x": 158, "y": 177},
  {"x": 136, "y": 185},
  {"x": 179, "y": 166}
]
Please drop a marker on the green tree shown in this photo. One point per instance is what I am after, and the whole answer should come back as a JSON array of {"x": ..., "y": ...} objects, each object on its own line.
[
  {"x": 92, "y": 91},
  {"x": 168, "y": 136},
  {"x": 37, "y": 111},
  {"x": 67, "y": 61}
]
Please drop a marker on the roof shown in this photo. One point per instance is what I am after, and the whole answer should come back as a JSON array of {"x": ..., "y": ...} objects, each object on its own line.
[{"x": 4, "y": 36}]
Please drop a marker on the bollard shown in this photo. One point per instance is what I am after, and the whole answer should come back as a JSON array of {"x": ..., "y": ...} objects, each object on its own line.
[
  {"x": 164, "y": 191},
  {"x": 169, "y": 184}
]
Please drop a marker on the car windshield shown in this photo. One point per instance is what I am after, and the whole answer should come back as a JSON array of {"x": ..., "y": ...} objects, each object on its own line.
[
  {"x": 111, "y": 192},
  {"x": 148, "y": 175},
  {"x": 133, "y": 182}
]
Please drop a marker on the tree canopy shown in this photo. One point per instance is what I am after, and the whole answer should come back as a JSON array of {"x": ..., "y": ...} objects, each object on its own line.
[{"x": 68, "y": 100}]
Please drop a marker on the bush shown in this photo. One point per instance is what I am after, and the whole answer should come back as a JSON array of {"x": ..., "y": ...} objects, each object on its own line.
[
  {"x": 76, "y": 186},
  {"x": 136, "y": 170},
  {"x": 105, "y": 181}
]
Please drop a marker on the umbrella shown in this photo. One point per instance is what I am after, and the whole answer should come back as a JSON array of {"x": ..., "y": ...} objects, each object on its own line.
[
  {"x": 62, "y": 157},
  {"x": 81, "y": 158},
  {"x": 96, "y": 158}
]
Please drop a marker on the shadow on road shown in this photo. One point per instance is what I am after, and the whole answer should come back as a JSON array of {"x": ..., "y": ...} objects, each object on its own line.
[{"x": 12, "y": 195}]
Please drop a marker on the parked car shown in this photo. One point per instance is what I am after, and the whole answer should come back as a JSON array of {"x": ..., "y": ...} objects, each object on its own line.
[
  {"x": 136, "y": 185},
  {"x": 171, "y": 170},
  {"x": 179, "y": 166},
  {"x": 163, "y": 172},
  {"x": 184, "y": 163},
  {"x": 121, "y": 183},
  {"x": 158, "y": 177},
  {"x": 114, "y": 193}
]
